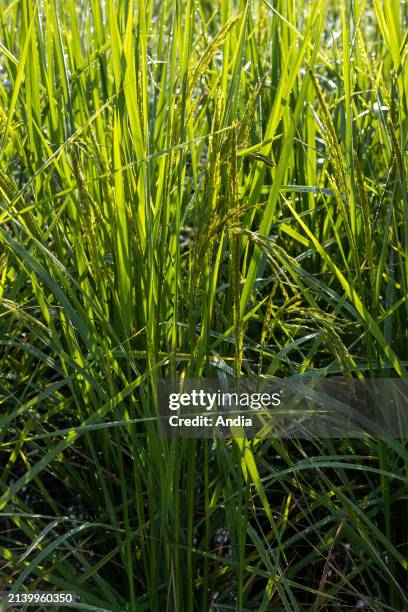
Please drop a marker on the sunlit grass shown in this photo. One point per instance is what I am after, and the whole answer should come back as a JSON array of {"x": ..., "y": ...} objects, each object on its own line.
[{"x": 203, "y": 189}]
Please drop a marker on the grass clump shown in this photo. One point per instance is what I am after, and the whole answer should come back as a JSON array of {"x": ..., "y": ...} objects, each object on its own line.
[{"x": 199, "y": 189}]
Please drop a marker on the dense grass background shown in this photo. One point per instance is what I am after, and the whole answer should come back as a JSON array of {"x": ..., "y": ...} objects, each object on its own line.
[{"x": 199, "y": 188}]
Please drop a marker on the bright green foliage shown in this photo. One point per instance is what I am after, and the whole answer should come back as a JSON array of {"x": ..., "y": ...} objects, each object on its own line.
[{"x": 198, "y": 188}]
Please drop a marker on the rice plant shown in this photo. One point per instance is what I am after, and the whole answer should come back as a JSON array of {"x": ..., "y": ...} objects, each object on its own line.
[{"x": 199, "y": 189}]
